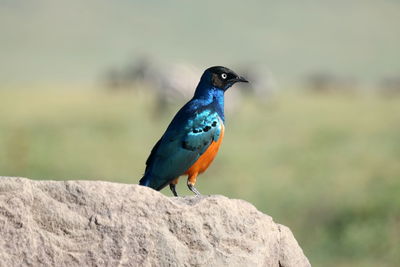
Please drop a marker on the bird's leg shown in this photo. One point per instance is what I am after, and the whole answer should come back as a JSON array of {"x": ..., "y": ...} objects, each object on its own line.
[
  {"x": 190, "y": 183},
  {"x": 172, "y": 186}
]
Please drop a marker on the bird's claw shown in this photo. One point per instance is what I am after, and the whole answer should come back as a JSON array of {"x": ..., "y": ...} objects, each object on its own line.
[
  {"x": 193, "y": 189},
  {"x": 173, "y": 189}
]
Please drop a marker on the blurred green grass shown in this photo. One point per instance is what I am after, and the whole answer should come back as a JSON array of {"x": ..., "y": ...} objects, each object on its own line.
[{"x": 327, "y": 166}]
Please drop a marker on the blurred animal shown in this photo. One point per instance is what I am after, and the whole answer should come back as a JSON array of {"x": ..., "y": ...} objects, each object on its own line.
[
  {"x": 194, "y": 136},
  {"x": 171, "y": 84},
  {"x": 325, "y": 82},
  {"x": 263, "y": 85}
]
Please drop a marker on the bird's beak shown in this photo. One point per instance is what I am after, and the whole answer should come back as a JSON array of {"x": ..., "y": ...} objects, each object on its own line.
[{"x": 240, "y": 79}]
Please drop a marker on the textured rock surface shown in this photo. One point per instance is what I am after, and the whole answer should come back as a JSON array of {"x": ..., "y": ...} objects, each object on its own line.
[{"x": 84, "y": 223}]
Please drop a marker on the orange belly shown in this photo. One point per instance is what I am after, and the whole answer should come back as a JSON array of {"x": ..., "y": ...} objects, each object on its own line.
[{"x": 208, "y": 156}]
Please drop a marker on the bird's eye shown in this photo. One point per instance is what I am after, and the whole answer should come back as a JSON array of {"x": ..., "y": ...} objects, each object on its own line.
[{"x": 223, "y": 76}]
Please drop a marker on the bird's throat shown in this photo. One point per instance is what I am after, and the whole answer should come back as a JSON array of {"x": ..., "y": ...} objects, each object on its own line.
[{"x": 213, "y": 97}]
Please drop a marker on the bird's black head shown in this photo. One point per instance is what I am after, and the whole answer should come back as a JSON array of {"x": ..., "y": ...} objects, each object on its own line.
[{"x": 222, "y": 77}]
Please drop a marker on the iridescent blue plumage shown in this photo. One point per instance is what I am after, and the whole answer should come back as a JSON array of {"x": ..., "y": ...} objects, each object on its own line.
[{"x": 196, "y": 125}]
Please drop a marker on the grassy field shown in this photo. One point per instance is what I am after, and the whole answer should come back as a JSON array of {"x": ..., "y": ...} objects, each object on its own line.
[{"x": 327, "y": 166}]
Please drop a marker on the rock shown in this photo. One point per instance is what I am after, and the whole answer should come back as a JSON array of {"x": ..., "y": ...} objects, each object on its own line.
[{"x": 91, "y": 223}]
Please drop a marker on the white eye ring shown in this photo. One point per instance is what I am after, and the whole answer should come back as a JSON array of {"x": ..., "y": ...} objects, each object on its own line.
[{"x": 224, "y": 76}]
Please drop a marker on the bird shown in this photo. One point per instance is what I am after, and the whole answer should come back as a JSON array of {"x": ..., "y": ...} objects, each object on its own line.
[{"x": 193, "y": 138}]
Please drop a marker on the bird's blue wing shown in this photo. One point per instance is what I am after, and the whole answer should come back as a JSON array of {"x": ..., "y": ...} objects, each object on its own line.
[
  {"x": 179, "y": 148},
  {"x": 204, "y": 128}
]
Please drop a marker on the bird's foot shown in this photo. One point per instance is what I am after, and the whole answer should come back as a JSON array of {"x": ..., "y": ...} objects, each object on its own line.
[
  {"x": 193, "y": 189},
  {"x": 173, "y": 189}
]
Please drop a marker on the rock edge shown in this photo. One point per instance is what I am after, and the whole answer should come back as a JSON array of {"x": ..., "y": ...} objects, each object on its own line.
[{"x": 94, "y": 223}]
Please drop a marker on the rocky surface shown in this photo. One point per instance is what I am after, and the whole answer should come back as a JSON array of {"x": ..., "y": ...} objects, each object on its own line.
[{"x": 87, "y": 223}]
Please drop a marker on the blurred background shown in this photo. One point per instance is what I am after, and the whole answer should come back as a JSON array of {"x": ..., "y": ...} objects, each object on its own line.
[{"x": 88, "y": 87}]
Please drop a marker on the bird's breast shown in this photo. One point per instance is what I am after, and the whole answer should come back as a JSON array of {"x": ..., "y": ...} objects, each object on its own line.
[{"x": 204, "y": 161}]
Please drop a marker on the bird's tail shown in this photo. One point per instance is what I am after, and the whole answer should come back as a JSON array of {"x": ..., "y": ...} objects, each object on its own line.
[
  {"x": 145, "y": 181},
  {"x": 152, "y": 181}
]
